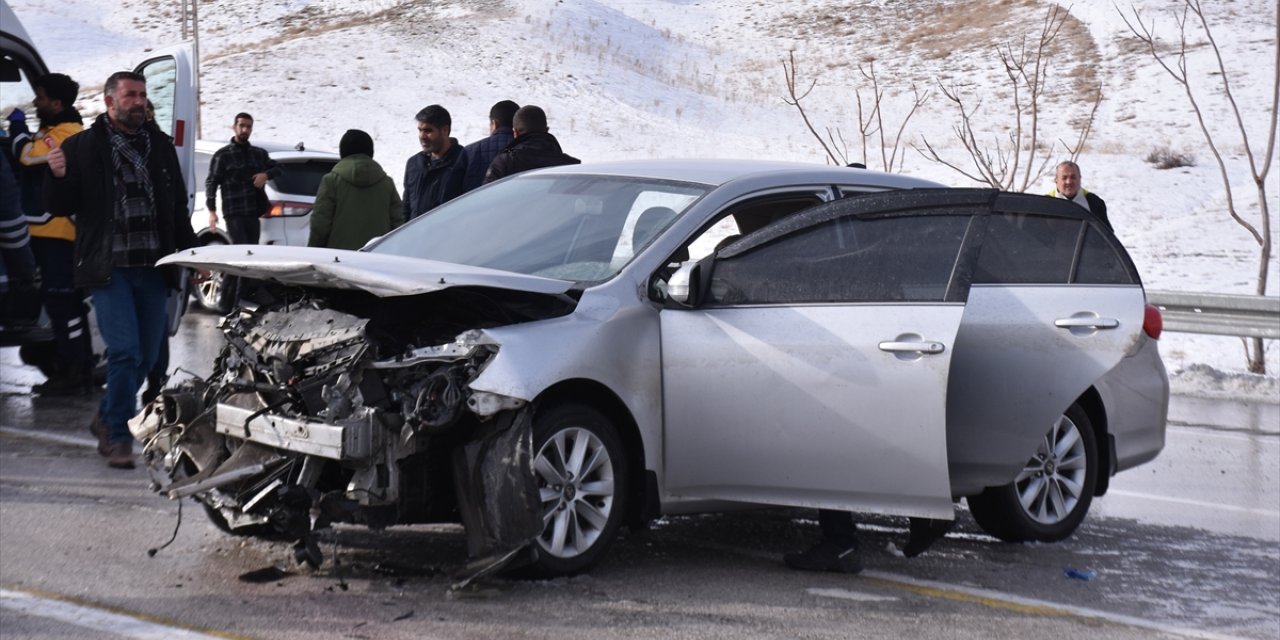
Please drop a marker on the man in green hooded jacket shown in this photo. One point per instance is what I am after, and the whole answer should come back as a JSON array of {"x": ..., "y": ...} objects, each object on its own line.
[{"x": 356, "y": 201}]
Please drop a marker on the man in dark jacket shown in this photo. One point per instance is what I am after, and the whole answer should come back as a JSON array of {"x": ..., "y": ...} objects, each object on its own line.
[
  {"x": 533, "y": 147},
  {"x": 1066, "y": 184},
  {"x": 434, "y": 176},
  {"x": 357, "y": 201},
  {"x": 480, "y": 154},
  {"x": 122, "y": 181},
  {"x": 242, "y": 171}
]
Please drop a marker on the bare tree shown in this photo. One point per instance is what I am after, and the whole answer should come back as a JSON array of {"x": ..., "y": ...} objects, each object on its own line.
[
  {"x": 870, "y": 119},
  {"x": 1016, "y": 162},
  {"x": 1178, "y": 71}
]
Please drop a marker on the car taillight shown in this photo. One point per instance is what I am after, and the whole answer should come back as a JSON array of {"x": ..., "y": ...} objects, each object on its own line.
[
  {"x": 287, "y": 209},
  {"x": 1153, "y": 322}
]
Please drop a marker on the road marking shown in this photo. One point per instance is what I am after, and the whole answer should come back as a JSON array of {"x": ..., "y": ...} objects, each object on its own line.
[
  {"x": 1196, "y": 503},
  {"x": 79, "y": 441},
  {"x": 1032, "y": 606},
  {"x": 994, "y": 599},
  {"x": 845, "y": 594},
  {"x": 103, "y": 619},
  {"x": 1252, "y": 436}
]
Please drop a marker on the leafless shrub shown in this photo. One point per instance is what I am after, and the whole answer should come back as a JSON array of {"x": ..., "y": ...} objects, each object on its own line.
[
  {"x": 871, "y": 125},
  {"x": 1166, "y": 158},
  {"x": 1020, "y": 159}
]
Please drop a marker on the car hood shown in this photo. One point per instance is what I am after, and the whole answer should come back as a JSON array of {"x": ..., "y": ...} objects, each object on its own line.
[{"x": 379, "y": 274}]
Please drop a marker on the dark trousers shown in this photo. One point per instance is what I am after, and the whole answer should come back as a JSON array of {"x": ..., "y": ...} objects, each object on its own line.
[
  {"x": 63, "y": 302},
  {"x": 838, "y": 527},
  {"x": 131, "y": 316},
  {"x": 243, "y": 230}
]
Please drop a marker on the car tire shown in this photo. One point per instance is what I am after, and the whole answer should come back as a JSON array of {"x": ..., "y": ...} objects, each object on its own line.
[
  {"x": 211, "y": 292},
  {"x": 1052, "y": 493},
  {"x": 583, "y": 479}
]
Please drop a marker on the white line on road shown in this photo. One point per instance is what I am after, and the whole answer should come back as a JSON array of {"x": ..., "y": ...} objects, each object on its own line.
[
  {"x": 1196, "y": 503},
  {"x": 96, "y": 618},
  {"x": 79, "y": 441}
]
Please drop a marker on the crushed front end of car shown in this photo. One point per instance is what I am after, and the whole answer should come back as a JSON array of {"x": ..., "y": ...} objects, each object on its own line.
[{"x": 332, "y": 406}]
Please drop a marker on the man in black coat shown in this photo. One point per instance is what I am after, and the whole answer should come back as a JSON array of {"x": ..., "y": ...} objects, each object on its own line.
[
  {"x": 122, "y": 181},
  {"x": 433, "y": 176},
  {"x": 1066, "y": 183},
  {"x": 533, "y": 147},
  {"x": 480, "y": 154}
]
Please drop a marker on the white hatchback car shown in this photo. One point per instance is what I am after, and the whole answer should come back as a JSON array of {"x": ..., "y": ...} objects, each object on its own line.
[{"x": 292, "y": 194}]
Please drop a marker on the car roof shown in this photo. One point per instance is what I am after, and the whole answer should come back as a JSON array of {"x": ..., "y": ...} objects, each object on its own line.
[
  {"x": 719, "y": 172},
  {"x": 278, "y": 151}
]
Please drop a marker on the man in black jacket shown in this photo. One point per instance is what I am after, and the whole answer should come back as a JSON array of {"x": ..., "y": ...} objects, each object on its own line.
[
  {"x": 435, "y": 175},
  {"x": 1066, "y": 184},
  {"x": 122, "y": 181},
  {"x": 480, "y": 154},
  {"x": 242, "y": 171},
  {"x": 533, "y": 147}
]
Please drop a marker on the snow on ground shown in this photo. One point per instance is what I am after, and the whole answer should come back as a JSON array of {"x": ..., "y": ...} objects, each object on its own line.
[{"x": 704, "y": 78}]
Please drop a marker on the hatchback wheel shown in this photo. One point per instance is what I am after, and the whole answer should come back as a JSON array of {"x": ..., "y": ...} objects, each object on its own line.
[
  {"x": 582, "y": 476},
  {"x": 1052, "y": 493}
]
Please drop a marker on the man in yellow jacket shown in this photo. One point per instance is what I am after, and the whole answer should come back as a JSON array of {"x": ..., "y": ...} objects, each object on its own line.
[{"x": 53, "y": 238}]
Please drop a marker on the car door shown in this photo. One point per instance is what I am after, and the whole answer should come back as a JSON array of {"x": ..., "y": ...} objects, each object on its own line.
[
  {"x": 1051, "y": 309},
  {"x": 815, "y": 372},
  {"x": 171, "y": 87}
]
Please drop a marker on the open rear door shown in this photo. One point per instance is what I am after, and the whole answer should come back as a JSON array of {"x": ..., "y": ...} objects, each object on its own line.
[{"x": 172, "y": 87}]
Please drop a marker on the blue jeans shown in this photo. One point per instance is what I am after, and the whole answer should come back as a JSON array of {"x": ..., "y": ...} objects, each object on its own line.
[{"x": 131, "y": 317}]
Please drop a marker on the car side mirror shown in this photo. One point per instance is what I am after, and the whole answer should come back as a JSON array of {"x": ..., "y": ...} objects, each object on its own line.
[{"x": 685, "y": 286}]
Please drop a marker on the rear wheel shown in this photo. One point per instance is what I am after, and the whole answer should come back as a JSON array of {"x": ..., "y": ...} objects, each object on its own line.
[
  {"x": 1052, "y": 493},
  {"x": 583, "y": 481}
]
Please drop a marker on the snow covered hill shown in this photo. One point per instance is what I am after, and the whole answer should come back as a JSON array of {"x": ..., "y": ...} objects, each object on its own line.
[{"x": 705, "y": 78}]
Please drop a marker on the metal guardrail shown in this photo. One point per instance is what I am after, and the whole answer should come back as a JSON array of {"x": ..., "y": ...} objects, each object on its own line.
[{"x": 1218, "y": 313}]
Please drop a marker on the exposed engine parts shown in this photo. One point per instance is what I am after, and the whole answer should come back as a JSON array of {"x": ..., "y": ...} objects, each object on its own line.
[{"x": 313, "y": 416}]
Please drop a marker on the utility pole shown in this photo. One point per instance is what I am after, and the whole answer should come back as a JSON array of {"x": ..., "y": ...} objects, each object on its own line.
[{"x": 191, "y": 31}]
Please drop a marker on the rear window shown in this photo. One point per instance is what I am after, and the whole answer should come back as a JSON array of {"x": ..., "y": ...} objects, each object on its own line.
[{"x": 302, "y": 178}]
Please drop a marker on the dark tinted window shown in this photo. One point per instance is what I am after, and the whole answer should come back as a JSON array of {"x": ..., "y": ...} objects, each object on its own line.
[
  {"x": 846, "y": 260},
  {"x": 302, "y": 178},
  {"x": 1099, "y": 263},
  {"x": 1027, "y": 249}
]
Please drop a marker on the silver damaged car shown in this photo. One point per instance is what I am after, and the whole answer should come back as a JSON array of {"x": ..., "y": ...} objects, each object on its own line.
[{"x": 572, "y": 350}]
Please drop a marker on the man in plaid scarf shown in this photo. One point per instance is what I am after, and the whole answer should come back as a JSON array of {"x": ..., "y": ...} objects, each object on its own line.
[{"x": 122, "y": 181}]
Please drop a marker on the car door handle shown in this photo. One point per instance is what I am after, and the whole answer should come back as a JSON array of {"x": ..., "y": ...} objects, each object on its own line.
[
  {"x": 913, "y": 347},
  {"x": 1086, "y": 323}
]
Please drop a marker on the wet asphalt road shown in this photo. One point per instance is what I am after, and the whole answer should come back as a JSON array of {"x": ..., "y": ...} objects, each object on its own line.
[{"x": 1186, "y": 546}]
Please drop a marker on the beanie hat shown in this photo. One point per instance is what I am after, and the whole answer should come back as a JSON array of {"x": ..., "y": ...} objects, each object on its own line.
[{"x": 355, "y": 141}]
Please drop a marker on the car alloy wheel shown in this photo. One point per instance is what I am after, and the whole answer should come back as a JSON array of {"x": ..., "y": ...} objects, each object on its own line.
[
  {"x": 1049, "y": 485},
  {"x": 581, "y": 475},
  {"x": 1051, "y": 495},
  {"x": 210, "y": 287}
]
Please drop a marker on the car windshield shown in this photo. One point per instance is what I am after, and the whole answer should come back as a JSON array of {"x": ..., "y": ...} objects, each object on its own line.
[{"x": 583, "y": 228}]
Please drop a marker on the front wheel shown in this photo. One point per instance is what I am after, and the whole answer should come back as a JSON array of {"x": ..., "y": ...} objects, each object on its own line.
[
  {"x": 1052, "y": 493},
  {"x": 210, "y": 287},
  {"x": 583, "y": 482}
]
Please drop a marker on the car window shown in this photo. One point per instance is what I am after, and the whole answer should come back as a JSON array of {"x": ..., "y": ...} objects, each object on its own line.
[
  {"x": 1027, "y": 249},
  {"x": 887, "y": 259},
  {"x": 17, "y": 94},
  {"x": 1099, "y": 263},
  {"x": 744, "y": 217},
  {"x": 302, "y": 178}
]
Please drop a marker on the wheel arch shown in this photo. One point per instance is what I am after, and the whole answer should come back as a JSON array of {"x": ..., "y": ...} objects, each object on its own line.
[
  {"x": 1091, "y": 402},
  {"x": 603, "y": 399},
  {"x": 205, "y": 236}
]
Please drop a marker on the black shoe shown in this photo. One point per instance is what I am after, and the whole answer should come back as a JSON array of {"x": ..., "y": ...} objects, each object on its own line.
[
  {"x": 826, "y": 556},
  {"x": 67, "y": 383},
  {"x": 923, "y": 533}
]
